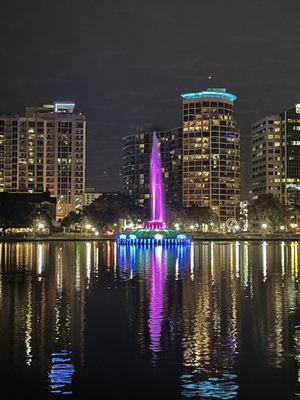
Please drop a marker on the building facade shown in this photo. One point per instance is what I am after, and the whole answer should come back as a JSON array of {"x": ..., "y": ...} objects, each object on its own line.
[
  {"x": 45, "y": 150},
  {"x": 211, "y": 152},
  {"x": 136, "y": 157},
  {"x": 267, "y": 157},
  {"x": 276, "y": 156},
  {"x": 290, "y": 147}
]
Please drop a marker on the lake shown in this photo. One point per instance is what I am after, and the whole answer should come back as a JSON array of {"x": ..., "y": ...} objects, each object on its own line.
[{"x": 217, "y": 320}]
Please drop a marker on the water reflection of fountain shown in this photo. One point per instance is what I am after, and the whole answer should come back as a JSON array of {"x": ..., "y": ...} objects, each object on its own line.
[{"x": 156, "y": 308}]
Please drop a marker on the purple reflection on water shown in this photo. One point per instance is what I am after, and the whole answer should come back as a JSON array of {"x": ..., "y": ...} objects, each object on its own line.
[{"x": 156, "y": 308}]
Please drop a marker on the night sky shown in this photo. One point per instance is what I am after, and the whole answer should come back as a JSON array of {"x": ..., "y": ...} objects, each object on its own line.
[{"x": 126, "y": 62}]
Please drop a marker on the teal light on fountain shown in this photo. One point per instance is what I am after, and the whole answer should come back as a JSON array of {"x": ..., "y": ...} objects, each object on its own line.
[{"x": 155, "y": 230}]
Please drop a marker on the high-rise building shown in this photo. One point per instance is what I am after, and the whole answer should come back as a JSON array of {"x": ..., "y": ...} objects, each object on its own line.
[
  {"x": 211, "y": 152},
  {"x": 290, "y": 147},
  {"x": 276, "y": 156},
  {"x": 267, "y": 157},
  {"x": 136, "y": 155},
  {"x": 45, "y": 150}
]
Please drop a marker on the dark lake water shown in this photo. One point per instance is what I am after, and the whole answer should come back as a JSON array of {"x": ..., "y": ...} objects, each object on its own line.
[{"x": 94, "y": 320}]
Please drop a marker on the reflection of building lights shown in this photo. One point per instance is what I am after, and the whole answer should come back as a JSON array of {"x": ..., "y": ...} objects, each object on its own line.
[
  {"x": 246, "y": 263},
  {"x": 212, "y": 270},
  {"x": 282, "y": 248},
  {"x": 28, "y": 330},
  {"x": 108, "y": 255},
  {"x": 192, "y": 261},
  {"x": 294, "y": 259},
  {"x": 40, "y": 256},
  {"x": 237, "y": 259},
  {"x": 176, "y": 269},
  {"x": 77, "y": 267},
  {"x": 264, "y": 256},
  {"x": 88, "y": 249},
  {"x": 115, "y": 259}
]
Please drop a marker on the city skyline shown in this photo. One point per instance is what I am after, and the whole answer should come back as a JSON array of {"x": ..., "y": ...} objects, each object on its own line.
[
  {"x": 245, "y": 186},
  {"x": 124, "y": 58}
]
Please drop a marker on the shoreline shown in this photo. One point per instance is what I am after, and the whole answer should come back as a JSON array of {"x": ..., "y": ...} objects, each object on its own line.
[{"x": 195, "y": 238}]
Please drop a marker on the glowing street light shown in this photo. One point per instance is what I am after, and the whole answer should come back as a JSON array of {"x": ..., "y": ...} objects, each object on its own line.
[
  {"x": 88, "y": 226},
  {"x": 192, "y": 227},
  {"x": 264, "y": 226},
  {"x": 281, "y": 227}
]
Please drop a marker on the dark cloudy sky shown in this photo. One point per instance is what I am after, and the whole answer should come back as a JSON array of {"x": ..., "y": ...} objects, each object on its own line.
[{"x": 125, "y": 63}]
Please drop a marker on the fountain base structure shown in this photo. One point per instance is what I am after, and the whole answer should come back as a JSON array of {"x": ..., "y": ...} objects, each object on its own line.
[{"x": 153, "y": 237}]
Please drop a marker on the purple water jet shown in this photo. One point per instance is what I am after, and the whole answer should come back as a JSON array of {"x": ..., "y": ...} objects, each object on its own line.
[{"x": 157, "y": 220}]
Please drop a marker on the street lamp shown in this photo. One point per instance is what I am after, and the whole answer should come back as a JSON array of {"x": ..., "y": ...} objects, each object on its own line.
[{"x": 264, "y": 226}]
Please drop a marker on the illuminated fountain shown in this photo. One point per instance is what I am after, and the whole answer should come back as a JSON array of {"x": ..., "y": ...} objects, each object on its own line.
[{"x": 155, "y": 230}]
